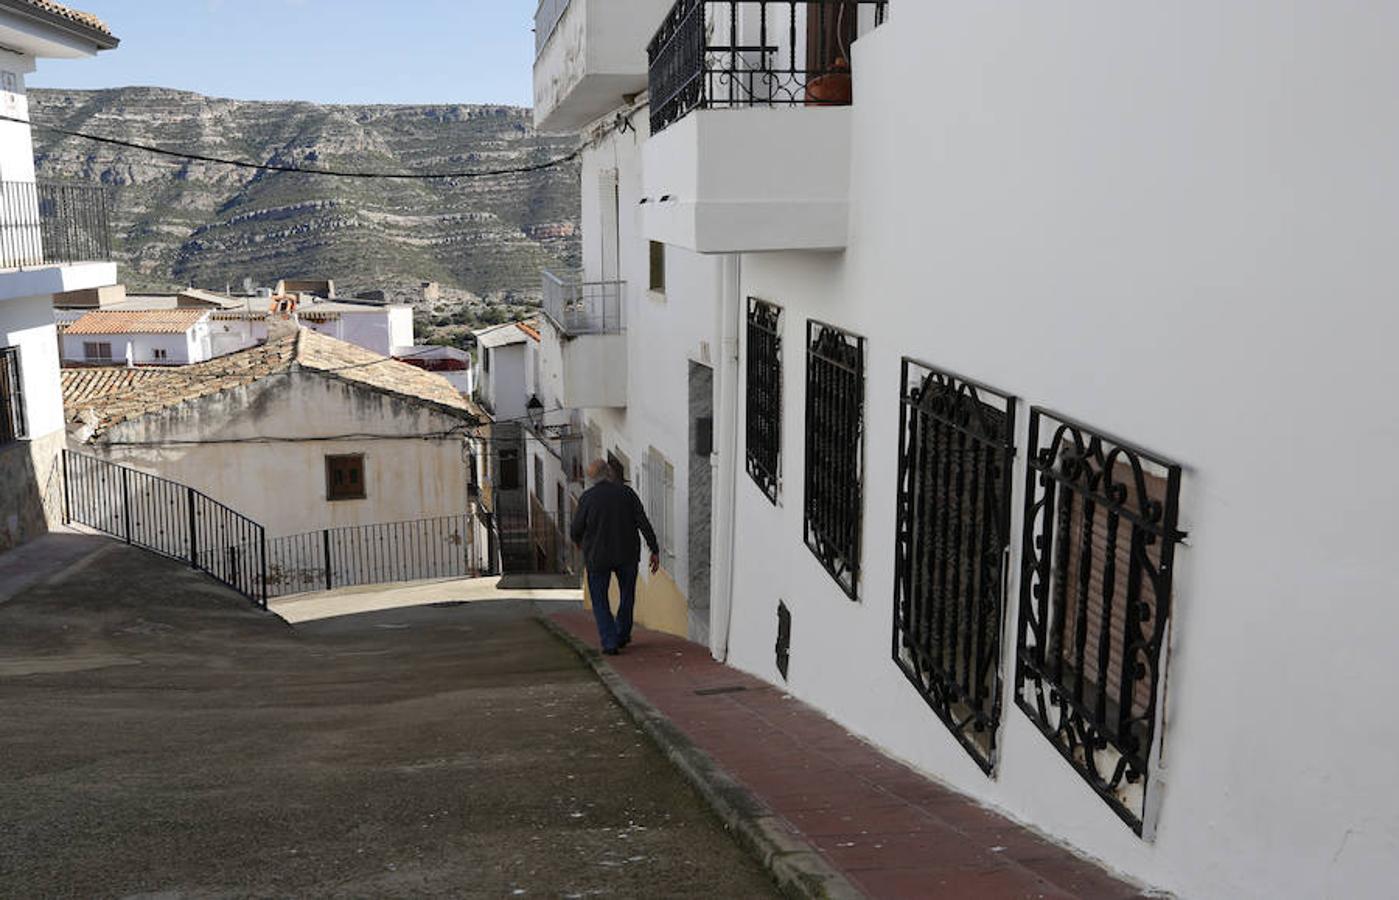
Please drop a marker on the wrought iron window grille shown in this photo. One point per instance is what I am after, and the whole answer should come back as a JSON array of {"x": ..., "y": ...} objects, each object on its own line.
[
  {"x": 764, "y": 397},
  {"x": 725, "y": 54},
  {"x": 784, "y": 639},
  {"x": 1101, "y": 529},
  {"x": 12, "y": 421},
  {"x": 835, "y": 420},
  {"x": 46, "y": 223},
  {"x": 956, "y": 450}
]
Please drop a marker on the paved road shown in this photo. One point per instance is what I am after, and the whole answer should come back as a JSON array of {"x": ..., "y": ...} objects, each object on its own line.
[{"x": 158, "y": 737}]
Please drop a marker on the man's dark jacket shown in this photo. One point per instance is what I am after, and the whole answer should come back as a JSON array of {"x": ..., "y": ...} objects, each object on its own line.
[{"x": 606, "y": 524}]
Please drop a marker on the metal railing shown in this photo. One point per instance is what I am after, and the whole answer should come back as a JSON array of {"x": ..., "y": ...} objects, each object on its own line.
[
  {"x": 167, "y": 518},
  {"x": 12, "y": 423},
  {"x": 738, "y": 53},
  {"x": 43, "y": 224},
  {"x": 330, "y": 558},
  {"x": 546, "y": 19},
  {"x": 584, "y": 307}
]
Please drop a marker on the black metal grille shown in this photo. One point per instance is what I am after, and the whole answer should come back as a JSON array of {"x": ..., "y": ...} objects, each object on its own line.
[
  {"x": 12, "y": 421},
  {"x": 784, "y": 638},
  {"x": 43, "y": 223},
  {"x": 440, "y": 547},
  {"x": 1100, "y": 538},
  {"x": 953, "y": 529},
  {"x": 835, "y": 417},
  {"x": 736, "y": 53},
  {"x": 167, "y": 518},
  {"x": 764, "y": 411}
]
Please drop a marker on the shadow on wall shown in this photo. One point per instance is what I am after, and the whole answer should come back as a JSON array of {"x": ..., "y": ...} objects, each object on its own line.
[
  {"x": 660, "y": 605},
  {"x": 23, "y": 489}
]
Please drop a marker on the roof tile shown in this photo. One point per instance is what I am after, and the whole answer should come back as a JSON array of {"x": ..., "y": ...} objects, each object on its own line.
[{"x": 145, "y": 321}]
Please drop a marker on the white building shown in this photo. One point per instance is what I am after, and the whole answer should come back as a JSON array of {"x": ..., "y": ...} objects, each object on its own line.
[
  {"x": 1153, "y": 244},
  {"x": 383, "y": 329},
  {"x": 506, "y": 370},
  {"x": 172, "y": 337},
  {"x": 271, "y": 432},
  {"x": 451, "y": 363},
  {"x": 53, "y": 238}
]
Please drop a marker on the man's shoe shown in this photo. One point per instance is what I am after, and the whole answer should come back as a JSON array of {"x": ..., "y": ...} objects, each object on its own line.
[
  {"x": 612, "y": 651},
  {"x": 623, "y": 642}
]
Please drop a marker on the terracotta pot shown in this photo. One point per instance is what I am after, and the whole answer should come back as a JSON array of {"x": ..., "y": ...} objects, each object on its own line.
[{"x": 833, "y": 89}]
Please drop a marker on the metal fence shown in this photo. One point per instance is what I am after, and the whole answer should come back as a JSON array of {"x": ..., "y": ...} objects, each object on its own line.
[
  {"x": 835, "y": 422},
  {"x": 167, "y": 518},
  {"x": 43, "y": 223},
  {"x": 330, "y": 558},
  {"x": 584, "y": 307},
  {"x": 736, "y": 53}
]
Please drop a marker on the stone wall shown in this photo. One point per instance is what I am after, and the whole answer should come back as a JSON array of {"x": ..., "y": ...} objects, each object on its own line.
[{"x": 31, "y": 489}]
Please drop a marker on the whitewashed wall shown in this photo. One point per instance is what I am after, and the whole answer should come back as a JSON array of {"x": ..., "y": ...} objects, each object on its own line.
[
  {"x": 282, "y": 484},
  {"x": 186, "y": 347},
  {"x": 1173, "y": 222},
  {"x": 664, "y": 332}
]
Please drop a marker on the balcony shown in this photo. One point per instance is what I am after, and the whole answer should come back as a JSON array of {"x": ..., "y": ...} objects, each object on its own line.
[
  {"x": 751, "y": 124},
  {"x": 585, "y": 346},
  {"x": 57, "y": 236},
  {"x": 588, "y": 58},
  {"x": 583, "y": 307}
]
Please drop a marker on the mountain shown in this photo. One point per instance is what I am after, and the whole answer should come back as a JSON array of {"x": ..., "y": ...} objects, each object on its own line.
[{"x": 177, "y": 222}]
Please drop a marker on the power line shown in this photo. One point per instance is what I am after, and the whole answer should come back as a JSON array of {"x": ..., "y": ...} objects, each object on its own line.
[{"x": 273, "y": 167}]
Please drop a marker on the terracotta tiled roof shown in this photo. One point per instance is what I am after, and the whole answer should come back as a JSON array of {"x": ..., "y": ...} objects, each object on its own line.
[
  {"x": 157, "y": 321},
  {"x": 101, "y": 398},
  {"x": 67, "y": 12},
  {"x": 529, "y": 329}
]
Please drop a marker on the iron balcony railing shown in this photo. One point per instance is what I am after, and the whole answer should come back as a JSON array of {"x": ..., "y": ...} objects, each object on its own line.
[
  {"x": 167, "y": 518},
  {"x": 584, "y": 307},
  {"x": 46, "y": 224},
  {"x": 546, "y": 19},
  {"x": 725, "y": 54}
]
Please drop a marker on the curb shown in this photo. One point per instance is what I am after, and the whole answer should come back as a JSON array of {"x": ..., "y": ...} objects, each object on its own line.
[{"x": 798, "y": 867}]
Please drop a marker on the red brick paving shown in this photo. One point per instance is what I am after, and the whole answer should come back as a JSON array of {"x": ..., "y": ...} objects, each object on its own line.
[{"x": 891, "y": 832}]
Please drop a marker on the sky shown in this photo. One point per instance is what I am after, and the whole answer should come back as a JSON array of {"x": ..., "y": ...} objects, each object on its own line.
[{"x": 323, "y": 51}]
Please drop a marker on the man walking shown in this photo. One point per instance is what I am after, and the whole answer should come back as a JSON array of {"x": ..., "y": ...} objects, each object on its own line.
[{"x": 606, "y": 523}]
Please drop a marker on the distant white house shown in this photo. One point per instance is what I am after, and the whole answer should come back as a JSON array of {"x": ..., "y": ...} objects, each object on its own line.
[
  {"x": 384, "y": 329},
  {"x": 449, "y": 362},
  {"x": 507, "y": 368},
  {"x": 173, "y": 337},
  {"x": 53, "y": 239}
]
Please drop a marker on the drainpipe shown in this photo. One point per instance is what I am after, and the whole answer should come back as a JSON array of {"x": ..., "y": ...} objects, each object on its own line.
[{"x": 725, "y": 518}]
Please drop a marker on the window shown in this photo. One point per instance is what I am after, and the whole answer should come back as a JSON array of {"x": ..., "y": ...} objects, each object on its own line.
[
  {"x": 952, "y": 529},
  {"x": 658, "y": 267},
  {"x": 660, "y": 503},
  {"x": 620, "y": 465},
  {"x": 509, "y": 475},
  {"x": 344, "y": 477},
  {"x": 12, "y": 421},
  {"x": 486, "y": 360},
  {"x": 1099, "y": 549},
  {"x": 539, "y": 478},
  {"x": 97, "y": 351},
  {"x": 764, "y": 411},
  {"x": 835, "y": 416},
  {"x": 160, "y": 353}
]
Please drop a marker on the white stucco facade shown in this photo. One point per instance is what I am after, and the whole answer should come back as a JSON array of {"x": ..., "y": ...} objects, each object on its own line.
[
  {"x": 1171, "y": 223},
  {"x": 146, "y": 348},
  {"x": 261, "y": 450}
]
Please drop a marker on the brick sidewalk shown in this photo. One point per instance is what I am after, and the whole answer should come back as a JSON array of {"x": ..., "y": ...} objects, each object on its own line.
[{"x": 890, "y": 831}]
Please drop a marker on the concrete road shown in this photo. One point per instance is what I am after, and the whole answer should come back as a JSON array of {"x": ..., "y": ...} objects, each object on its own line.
[{"x": 160, "y": 738}]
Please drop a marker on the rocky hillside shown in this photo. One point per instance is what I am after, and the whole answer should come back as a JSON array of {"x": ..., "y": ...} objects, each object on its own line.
[{"x": 179, "y": 223}]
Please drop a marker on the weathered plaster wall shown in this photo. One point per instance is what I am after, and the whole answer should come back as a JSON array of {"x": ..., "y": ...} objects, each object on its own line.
[
  {"x": 225, "y": 446},
  {"x": 31, "y": 489}
]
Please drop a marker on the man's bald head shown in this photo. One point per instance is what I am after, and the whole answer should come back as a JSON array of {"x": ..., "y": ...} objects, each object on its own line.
[{"x": 598, "y": 469}]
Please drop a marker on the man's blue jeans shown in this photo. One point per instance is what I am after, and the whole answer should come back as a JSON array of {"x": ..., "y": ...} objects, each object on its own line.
[{"x": 613, "y": 632}]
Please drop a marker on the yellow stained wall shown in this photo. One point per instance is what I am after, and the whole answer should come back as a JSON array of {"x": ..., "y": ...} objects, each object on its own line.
[{"x": 659, "y": 604}]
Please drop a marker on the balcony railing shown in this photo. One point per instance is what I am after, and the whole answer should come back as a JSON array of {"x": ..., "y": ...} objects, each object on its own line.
[
  {"x": 45, "y": 224},
  {"x": 546, "y": 19},
  {"x": 584, "y": 307},
  {"x": 723, "y": 54}
]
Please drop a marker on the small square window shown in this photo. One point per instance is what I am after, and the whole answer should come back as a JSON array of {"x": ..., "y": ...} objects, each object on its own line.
[
  {"x": 160, "y": 353},
  {"x": 658, "y": 267},
  {"x": 99, "y": 351},
  {"x": 344, "y": 477}
]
